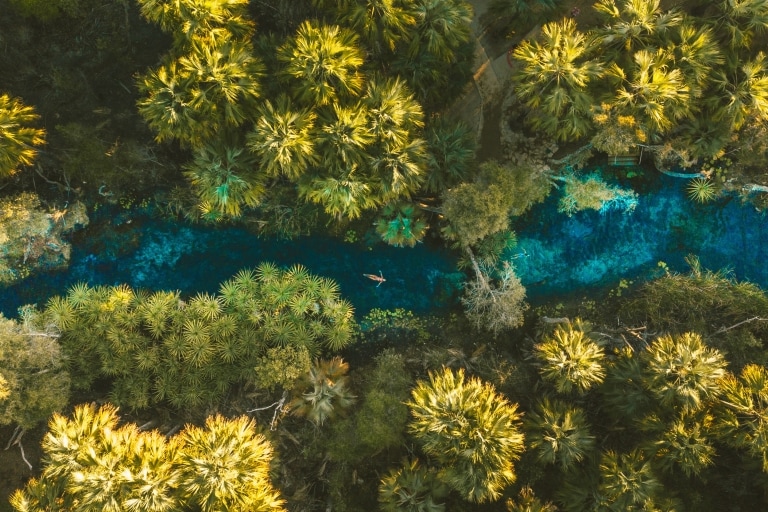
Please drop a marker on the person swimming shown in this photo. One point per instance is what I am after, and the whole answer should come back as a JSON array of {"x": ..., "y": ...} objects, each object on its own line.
[{"x": 378, "y": 278}]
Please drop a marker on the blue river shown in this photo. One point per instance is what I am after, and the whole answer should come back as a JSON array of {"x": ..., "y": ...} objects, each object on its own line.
[{"x": 555, "y": 254}]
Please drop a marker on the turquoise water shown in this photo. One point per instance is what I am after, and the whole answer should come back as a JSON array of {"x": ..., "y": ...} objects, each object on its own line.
[
  {"x": 161, "y": 255},
  {"x": 555, "y": 254}
]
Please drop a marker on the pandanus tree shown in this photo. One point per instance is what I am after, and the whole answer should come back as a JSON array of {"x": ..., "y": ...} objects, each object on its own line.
[
  {"x": 321, "y": 63},
  {"x": 19, "y": 138},
  {"x": 470, "y": 430},
  {"x": 554, "y": 77},
  {"x": 684, "y": 444},
  {"x": 627, "y": 482}
]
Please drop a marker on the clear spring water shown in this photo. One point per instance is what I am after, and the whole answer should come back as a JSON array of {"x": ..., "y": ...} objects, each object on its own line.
[{"x": 555, "y": 254}]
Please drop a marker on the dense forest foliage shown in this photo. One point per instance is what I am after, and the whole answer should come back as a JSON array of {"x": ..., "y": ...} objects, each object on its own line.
[{"x": 334, "y": 116}]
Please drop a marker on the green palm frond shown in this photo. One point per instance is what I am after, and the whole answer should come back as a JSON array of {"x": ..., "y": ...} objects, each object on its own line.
[
  {"x": 570, "y": 360},
  {"x": 18, "y": 138},
  {"x": 323, "y": 61},
  {"x": 559, "y": 433}
]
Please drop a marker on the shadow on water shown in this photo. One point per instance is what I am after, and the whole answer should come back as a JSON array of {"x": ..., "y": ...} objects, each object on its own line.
[
  {"x": 161, "y": 255},
  {"x": 558, "y": 254}
]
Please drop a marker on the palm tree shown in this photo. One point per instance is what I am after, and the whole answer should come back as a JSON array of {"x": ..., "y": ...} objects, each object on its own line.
[
  {"x": 381, "y": 23},
  {"x": 636, "y": 24},
  {"x": 401, "y": 224},
  {"x": 655, "y": 93},
  {"x": 559, "y": 433},
  {"x": 696, "y": 52},
  {"x": 323, "y": 61},
  {"x": 412, "y": 488},
  {"x": 442, "y": 26},
  {"x": 743, "y": 92},
  {"x": 225, "y": 466},
  {"x": 682, "y": 444},
  {"x": 394, "y": 116},
  {"x": 528, "y": 502},
  {"x": 17, "y": 137},
  {"x": 741, "y": 414},
  {"x": 626, "y": 481},
  {"x": 570, "y": 360},
  {"x": 327, "y": 394},
  {"x": 682, "y": 372},
  {"x": 284, "y": 139},
  {"x": 225, "y": 74},
  {"x": 225, "y": 179},
  {"x": 503, "y": 13},
  {"x": 188, "y": 19},
  {"x": 397, "y": 172},
  {"x": 450, "y": 154},
  {"x": 343, "y": 138},
  {"x": 167, "y": 106},
  {"x": 346, "y": 196},
  {"x": 740, "y": 20},
  {"x": 471, "y": 430},
  {"x": 554, "y": 77}
]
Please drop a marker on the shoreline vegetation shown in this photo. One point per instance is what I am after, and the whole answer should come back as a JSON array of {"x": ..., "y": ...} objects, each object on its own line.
[{"x": 339, "y": 119}]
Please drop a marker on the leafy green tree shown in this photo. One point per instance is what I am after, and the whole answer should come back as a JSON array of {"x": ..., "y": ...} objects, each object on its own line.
[
  {"x": 559, "y": 433},
  {"x": 32, "y": 237},
  {"x": 33, "y": 381},
  {"x": 570, "y": 360},
  {"x": 18, "y": 137},
  {"x": 322, "y": 393},
  {"x": 553, "y": 80},
  {"x": 284, "y": 139},
  {"x": 226, "y": 179},
  {"x": 494, "y": 301},
  {"x": 412, "y": 488},
  {"x": 681, "y": 372},
  {"x": 401, "y": 224},
  {"x": 450, "y": 154},
  {"x": 322, "y": 61},
  {"x": 442, "y": 26},
  {"x": 470, "y": 430},
  {"x": 281, "y": 366},
  {"x": 92, "y": 462}
]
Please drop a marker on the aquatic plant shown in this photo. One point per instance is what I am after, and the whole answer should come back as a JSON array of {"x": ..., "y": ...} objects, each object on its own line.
[
  {"x": 592, "y": 193},
  {"x": 702, "y": 190},
  {"x": 401, "y": 224}
]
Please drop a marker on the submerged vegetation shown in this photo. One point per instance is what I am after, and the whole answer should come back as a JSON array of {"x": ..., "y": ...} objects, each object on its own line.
[{"x": 339, "y": 118}]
